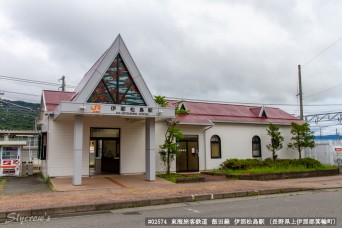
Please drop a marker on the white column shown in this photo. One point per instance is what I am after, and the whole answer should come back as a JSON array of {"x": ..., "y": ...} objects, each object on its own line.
[
  {"x": 78, "y": 148},
  {"x": 150, "y": 149}
]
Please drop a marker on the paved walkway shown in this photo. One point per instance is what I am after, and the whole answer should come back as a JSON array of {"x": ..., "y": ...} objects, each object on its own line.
[
  {"x": 156, "y": 190},
  {"x": 107, "y": 182}
]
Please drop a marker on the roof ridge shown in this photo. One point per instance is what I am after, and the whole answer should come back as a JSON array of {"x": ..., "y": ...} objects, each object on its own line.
[
  {"x": 48, "y": 90},
  {"x": 220, "y": 103}
]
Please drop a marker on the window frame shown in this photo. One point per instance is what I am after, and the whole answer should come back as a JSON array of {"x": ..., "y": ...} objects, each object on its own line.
[
  {"x": 43, "y": 143},
  {"x": 259, "y": 146},
  {"x": 215, "y": 143}
]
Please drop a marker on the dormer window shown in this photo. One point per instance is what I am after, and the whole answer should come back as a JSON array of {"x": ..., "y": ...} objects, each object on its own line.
[{"x": 263, "y": 113}]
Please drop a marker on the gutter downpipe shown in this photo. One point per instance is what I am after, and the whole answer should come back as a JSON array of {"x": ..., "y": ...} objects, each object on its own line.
[{"x": 205, "y": 146}]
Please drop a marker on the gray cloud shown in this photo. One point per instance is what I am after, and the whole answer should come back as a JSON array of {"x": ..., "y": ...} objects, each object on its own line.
[{"x": 236, "y": 51}]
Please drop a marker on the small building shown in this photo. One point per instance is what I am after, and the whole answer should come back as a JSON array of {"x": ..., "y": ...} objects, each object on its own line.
[
  {"x": 29, "y": 152},
  {"x": 111, "y": 124}
]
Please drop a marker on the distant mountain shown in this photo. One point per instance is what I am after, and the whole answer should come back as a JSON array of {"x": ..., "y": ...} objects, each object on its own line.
[{"x": 18, "y": 115}]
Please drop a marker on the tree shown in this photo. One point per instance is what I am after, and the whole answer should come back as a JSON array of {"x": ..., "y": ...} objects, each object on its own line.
[
  {"x": 276, "y": 140},
  {"x": 169, "y": 149},
  {"x": 161, "y": 101},
  {"x": 301, "y": 138}
]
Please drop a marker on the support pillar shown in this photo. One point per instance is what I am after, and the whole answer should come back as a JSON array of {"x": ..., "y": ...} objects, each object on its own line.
[
  {"x": 150, "y": 149},
  {"x": 78, "y": 149}
]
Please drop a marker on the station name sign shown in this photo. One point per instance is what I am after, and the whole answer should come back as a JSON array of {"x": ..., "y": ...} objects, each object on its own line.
[
  {"x": 129, "y": 110},
  {"x": 122, "y": 110}
]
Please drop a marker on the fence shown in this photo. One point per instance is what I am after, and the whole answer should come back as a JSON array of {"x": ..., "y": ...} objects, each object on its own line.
[{"x": 324, "y": 151}]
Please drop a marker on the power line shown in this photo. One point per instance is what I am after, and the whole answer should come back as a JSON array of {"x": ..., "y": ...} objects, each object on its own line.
[
  {"x": 227, "y": 102},
  {"x": 29, "y": 94},
  {"x": 323, "y": 91},
  {"x": 321, "y": 52},
  {"x": 249, "y": 103},
  {"x": 8, "y": 102},
  {"x": 31, "y": 81}
]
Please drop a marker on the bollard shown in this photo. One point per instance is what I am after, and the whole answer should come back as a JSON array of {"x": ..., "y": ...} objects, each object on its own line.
[
  {"x": 30, "y": 168},
  {"x": 23, "y": 169}
]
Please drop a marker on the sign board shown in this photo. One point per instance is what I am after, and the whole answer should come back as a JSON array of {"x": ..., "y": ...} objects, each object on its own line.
[
  {"x": 121, "y": 110},
  {"x": 338, "y": 149}
]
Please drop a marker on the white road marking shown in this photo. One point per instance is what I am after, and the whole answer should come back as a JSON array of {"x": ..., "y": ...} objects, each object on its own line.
[{"x": 193, "y": 210}]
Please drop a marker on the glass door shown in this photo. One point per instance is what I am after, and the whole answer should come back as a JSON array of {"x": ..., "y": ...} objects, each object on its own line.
[
  {"x": 181, "y": 159},
  {"x": 187, "y": 159},
  {"x": 110, "y": 161},
  {"x": 104, "y": 152}
]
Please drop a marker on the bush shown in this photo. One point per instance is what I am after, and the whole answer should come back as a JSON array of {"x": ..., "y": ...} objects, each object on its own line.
[
  {"x": 268, "y": 162},
  {"x": 309, "y": 163},
  {"x": 241, "y": 164},
  {"x": 284, "y": 163},
  {"x": 235, "y": 163}
]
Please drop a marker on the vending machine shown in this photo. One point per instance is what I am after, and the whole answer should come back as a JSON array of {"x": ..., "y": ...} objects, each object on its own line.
[{"x": 10, "y": 160}]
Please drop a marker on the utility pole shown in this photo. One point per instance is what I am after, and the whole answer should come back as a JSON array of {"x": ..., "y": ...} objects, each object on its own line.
[
  {"x": 300, "y": 93},
  {"x": 63, "y": 83}
]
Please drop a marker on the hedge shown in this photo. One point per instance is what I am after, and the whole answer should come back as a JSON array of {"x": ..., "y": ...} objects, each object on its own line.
[{"x": 235, "y": 163}]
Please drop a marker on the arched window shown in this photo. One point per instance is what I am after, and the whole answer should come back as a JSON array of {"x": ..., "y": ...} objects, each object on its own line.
[
  {"x": 256, "y": 147},
  {"x": 215, "y": 143}
]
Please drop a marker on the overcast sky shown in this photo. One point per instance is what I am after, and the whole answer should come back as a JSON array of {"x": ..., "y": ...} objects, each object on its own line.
[{"x": 233, "y": 51}]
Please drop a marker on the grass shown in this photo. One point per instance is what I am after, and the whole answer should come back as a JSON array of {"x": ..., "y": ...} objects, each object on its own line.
[
  {"x": 46, "y": 180},
  {"x": 2, "y": 183},
  {"x": 174, "y": 176},
  {"x": 272, "y": 170}
]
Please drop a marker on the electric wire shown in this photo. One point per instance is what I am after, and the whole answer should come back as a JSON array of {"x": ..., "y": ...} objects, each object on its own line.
[
  {"x": 321, "y": 52},
  {"x": 323, "y": 91},
  {"x": 4, "y": 77},
  {"x": 28, "y": 94}
]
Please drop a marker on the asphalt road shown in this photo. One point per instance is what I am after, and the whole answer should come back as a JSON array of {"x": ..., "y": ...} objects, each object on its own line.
[{"x": 314, "y": 204}]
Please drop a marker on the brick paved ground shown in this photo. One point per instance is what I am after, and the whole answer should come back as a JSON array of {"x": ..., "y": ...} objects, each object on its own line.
[{"x": 155, "y": 191}]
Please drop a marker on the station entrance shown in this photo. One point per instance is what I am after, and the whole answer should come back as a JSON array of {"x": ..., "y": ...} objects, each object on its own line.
[{"x": 104, "y": 157}]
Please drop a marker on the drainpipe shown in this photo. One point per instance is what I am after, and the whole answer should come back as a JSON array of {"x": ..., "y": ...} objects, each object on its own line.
[{"x": 205, "y": 146}]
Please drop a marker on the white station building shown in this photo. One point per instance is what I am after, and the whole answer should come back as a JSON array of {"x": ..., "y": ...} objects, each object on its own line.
[{"x": 111, "y": 124}]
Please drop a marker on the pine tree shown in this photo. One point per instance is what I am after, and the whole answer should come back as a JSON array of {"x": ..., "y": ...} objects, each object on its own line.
[{"x": 276, "y": 140}]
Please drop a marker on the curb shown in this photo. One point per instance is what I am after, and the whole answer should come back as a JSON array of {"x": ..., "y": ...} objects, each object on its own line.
[{"x": 98, "y": 207}]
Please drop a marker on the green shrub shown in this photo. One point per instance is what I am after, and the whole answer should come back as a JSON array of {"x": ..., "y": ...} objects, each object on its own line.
[
  {"x": 284, "y": 163},
  {"x": 268, "y": 162},
  {"x": 235, "y": 163},
  {"x": 309, "y": 163},
  {"x": 243, "y": 164}
]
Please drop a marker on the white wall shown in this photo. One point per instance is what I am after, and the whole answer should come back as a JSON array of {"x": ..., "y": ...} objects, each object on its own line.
[
  {"x": 236, "y": 142},
  {"x": 60, "y": 144},
  {"x": 132, "y": 141},
  {"x": 59, "y": 156}
]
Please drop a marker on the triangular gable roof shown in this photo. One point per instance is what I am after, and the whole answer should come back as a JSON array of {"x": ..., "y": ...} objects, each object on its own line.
[{"x": 95, "y": 74}]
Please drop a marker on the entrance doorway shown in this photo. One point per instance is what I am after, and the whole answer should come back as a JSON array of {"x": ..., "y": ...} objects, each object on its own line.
[
  {"x": 104, "y": 157},
  {"x": 187, "y": 159}
]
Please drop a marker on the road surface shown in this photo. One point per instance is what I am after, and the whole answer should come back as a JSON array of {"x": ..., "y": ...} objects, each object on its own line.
[{"x": 313, "y": 204}]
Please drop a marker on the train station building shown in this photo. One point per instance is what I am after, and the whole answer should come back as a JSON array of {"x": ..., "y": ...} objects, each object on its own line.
[{"x": 110, "y": 124}]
